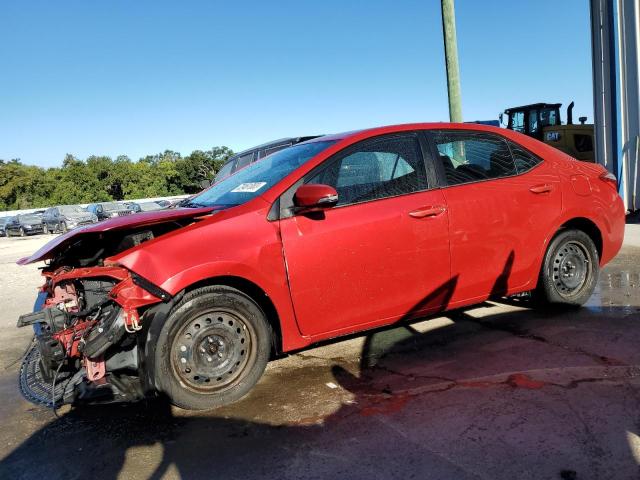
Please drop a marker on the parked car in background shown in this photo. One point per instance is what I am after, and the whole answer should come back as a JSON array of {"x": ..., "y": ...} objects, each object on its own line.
[
  {"x": 24, "y": 224},
  {"x": 244, "y": 158},
  {"x": 3, "y": 222},
  {"x": 106, "y": 210},
  {"x": 66, "y": 217},
  {"x": 144, "y": 206},
  {"x": 330, "y": 237}
]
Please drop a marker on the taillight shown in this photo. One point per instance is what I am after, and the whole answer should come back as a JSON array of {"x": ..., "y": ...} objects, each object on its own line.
[{"x": 609, "y": 178}]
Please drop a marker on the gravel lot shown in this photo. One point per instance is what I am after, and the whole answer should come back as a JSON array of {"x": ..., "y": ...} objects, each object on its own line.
[{"x": 497, "y": 391}]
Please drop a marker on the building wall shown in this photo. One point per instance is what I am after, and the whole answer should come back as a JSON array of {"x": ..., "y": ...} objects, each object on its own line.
[{"x": 615, "y": 33}]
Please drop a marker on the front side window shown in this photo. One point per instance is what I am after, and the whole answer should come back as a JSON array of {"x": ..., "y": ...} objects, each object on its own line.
[
  {"x": 473, "y": 156},
  {"x": 376, "y": 169}
]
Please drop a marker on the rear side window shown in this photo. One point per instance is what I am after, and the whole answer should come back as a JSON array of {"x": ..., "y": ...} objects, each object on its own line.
[
  {"x": 524, "y": 160},
  {"x": 473, "y": 156},
  {"x": 376, "y": 169}
]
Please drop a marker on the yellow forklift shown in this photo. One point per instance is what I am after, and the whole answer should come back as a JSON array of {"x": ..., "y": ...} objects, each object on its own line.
[{"x": 542, "y": 121}]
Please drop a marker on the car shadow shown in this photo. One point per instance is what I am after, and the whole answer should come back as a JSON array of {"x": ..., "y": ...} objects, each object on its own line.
[{"x": 488, "y": 392}]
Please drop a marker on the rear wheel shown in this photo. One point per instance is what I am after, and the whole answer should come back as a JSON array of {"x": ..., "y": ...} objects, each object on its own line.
[
  {"x": 63, "y": 227},
  {"x": 570, "y": 269},
  {"x": 212, "y": 349}
]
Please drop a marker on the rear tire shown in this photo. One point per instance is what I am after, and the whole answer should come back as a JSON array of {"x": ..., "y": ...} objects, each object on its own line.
[
  {"x": 570, "y": 270},
  {"x": 212, "y": 349}
]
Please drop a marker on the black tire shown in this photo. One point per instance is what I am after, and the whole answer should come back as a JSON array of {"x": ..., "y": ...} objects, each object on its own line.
[
  {"x": 570, "y": 270},
  {"x": 63, "y": 227},
  {"x": 212, "y": 349},
  {"x": 22, "y": 232}
]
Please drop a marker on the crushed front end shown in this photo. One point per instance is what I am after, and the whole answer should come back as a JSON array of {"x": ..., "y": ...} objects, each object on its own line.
[{"x": 87, "y": 344}]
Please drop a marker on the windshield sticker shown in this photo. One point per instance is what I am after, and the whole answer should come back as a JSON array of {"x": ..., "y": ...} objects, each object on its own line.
[{"x": 249, "y": 187}]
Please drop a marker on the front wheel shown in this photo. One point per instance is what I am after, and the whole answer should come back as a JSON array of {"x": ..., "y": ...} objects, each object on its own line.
[
  {"x": 212, "y": 349},
  {"x": 22, "y": 232},
  {"x": 570, "y": 269}
]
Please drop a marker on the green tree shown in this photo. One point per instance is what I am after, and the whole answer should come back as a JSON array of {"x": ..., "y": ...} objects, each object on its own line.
[{"x": 100, "y": 178}]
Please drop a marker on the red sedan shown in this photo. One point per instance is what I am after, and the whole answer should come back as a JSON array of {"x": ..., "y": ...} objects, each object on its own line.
[{"x": 336, "y": 235}]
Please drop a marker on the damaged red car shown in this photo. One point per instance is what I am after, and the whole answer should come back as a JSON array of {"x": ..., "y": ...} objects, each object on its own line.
[{"x": 336, "y": 235}]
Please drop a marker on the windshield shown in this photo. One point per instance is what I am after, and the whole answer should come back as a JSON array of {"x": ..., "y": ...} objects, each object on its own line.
[
  {"x": 29, "y": 218},
  {"x": 71, "y": 209},
  {"x": 111, "y": 206},
  {"x": 258, "y": 177}
]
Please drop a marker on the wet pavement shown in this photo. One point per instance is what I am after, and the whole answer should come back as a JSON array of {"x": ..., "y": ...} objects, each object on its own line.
[{"x": 495, "y": 391}]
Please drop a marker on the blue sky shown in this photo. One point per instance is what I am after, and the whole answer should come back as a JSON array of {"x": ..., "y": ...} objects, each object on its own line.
[{"x": 135, "y": 78}]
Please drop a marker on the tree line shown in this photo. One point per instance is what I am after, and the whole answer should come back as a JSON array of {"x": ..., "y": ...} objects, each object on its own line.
[{"x": 101, "y": 178}]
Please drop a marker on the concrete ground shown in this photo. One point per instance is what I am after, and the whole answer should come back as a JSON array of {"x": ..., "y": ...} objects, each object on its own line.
[{"x": 494, "y": 392}]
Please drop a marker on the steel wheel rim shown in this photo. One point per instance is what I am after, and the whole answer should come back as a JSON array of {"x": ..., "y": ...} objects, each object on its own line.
[
  {"x": 212, "y": 350},
  {"x": 570, "y": 268}
]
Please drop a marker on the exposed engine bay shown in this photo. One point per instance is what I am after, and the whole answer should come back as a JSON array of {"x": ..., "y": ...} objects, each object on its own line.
[{"x": 87, "y": 322}]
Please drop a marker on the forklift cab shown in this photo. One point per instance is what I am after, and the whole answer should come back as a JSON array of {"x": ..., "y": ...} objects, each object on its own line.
[{"x": 531, "y": 119}]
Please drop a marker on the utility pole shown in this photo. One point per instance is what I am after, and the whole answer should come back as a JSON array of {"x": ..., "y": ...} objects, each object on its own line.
[{"x": 451, "y": 58}]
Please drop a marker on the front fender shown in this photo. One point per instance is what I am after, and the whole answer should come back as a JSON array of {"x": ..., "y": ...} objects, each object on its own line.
[{"x": 240, "y": 243}]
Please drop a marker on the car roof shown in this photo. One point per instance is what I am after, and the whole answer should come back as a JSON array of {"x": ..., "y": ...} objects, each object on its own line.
[
  {"x": 371, "y": 132},
  {"x": 274, "y": 143}
]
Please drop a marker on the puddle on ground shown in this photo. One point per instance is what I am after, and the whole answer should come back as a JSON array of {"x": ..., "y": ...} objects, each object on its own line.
[{"x": 617, "y": 288}]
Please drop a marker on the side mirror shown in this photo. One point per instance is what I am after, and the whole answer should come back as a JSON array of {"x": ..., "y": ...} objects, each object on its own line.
[{"x": 314, "y": 196}]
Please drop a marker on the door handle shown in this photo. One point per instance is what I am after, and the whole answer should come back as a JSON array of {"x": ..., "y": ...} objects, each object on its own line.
[
  {"x": 430, "y": 211},
  {"x": 542, "y": 188}
]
